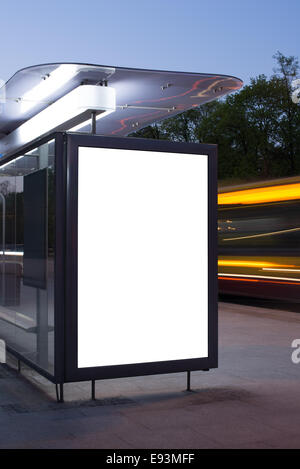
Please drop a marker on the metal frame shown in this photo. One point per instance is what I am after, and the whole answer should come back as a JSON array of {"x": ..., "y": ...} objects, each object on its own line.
[
  {"x": 59, "y": 277},
  {"x": 59, "y": 262},
  {"x": 72, "y": 372}
]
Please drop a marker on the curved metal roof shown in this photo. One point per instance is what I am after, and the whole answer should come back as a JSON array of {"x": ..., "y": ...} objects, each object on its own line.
[{"x": 142, "y": 96}]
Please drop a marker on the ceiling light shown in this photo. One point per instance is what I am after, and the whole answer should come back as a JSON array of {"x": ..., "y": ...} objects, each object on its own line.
[
  {"x": 48, "y": 85},
  {"x": 67, "y": 112}
]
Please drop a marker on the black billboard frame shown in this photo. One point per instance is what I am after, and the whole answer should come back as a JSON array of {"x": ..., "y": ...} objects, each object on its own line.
[{"x": 72, "y": 372}]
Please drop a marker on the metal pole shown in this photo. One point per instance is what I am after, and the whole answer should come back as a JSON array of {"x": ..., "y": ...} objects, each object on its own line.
[
  {"x": 93, "y": 390},
  {"x": 42, "y": 295},
  {"x": 59, "y": 388},
  {"x": 61, "y": 392},
  {"x": 188, "y": 384},
  {"x": 93, "y": 123}
]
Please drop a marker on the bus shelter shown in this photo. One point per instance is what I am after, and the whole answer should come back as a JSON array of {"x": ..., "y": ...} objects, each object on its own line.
[{"x": 108, "y": 258}]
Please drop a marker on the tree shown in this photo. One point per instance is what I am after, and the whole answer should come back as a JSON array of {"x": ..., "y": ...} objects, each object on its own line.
[
  {"x": 257, "y": 129},
  {"x": 151, "y": 131},
  {"x": 288, "y": 135}
]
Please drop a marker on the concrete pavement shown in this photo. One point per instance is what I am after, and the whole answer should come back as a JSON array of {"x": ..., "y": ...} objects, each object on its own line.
[{"x": 251, "y": 401}]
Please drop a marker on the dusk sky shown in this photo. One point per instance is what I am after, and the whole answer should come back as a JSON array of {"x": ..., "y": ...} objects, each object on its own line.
[{"x": 235, "y": 37}]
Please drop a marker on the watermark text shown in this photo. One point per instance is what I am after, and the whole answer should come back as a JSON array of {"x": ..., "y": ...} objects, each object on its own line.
[
  {"x": 2, "y": 351},
  {"x": 296, "y": 353},
  {"x": 296, "y": 92}
]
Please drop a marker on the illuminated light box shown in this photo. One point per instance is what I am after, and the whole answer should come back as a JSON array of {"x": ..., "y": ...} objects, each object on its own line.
[
  {"x": 141, "y": 257},
  {"x": 143, "y": 276}
]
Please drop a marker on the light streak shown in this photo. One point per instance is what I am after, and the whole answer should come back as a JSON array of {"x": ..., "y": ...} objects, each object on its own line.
[
  {"x": 260, "y": 195},
  {"x": 260, "y": 264},
  {"x": 282, "y": 270},
  {"x": 258, "y": 277},
  {"x": 272, "y": 233},
  {"x": 12, "y": 253},
  {"x": 257, "y": 281}
]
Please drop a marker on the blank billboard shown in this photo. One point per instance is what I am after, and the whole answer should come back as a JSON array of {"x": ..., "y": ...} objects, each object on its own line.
[{"x": 142, "y": 256}]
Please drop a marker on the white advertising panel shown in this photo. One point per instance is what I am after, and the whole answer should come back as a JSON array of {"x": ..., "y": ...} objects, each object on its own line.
[{"x": 142, "y": 256}]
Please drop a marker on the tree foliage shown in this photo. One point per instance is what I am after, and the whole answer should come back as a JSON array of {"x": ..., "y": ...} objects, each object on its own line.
[{"x": 257, "y": 129}]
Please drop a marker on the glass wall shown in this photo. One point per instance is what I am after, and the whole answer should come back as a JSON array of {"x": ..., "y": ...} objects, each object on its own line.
[{"x": 27, "y": 217}]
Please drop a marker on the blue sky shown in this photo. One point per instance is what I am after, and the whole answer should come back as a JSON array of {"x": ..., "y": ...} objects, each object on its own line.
[{"x": 218, "y": 36}]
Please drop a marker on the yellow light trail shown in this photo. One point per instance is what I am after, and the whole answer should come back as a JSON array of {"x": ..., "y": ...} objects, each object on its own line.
[
  {"x": 260, "y": 195},
  {"x": 258, "y": 264}
]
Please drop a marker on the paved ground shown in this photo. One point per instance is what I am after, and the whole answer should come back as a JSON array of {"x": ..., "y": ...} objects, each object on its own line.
[{"x": 251, "y": 401}]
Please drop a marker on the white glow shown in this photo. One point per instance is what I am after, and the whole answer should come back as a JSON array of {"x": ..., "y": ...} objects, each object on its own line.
[
  {"x": 47, "y": 86},
  {"x": 57, "y": 116},
  {"x": 11, "y": 162},
  {"x": 142, "y": 257},
  {"x": 281, "y": 270},
  {"x": 12, "y": 253}
]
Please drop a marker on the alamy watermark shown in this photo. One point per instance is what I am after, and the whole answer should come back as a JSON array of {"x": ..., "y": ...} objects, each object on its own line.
[
  {"x": 2, "y": 351},
  {"x": 296, "y": 353},
  {"x": 2, "y": 94},
  {"x": 296, "y": 92}
]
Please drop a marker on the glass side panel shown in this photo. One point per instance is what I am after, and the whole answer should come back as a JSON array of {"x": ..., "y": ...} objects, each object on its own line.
[{"x": 27, "y": 219}]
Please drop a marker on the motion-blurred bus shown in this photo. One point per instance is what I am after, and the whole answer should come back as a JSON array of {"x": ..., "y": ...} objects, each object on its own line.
[{"x": 259, "y": 239}]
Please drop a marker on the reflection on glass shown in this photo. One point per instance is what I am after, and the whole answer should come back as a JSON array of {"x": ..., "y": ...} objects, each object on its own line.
[{"x": 27, "y": 255}]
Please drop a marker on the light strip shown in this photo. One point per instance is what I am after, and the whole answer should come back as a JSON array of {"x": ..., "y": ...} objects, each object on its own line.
[
  {"x": 272, "y": 233},
  {"x": 65, "y": 113},
  {"x": 259, "y": 277},
  {"x": 12, "y": 253},
  {"x": 282, "y": 270},
  {"x": 11, "y": 162},
  {"x": 48, "y": 85}
]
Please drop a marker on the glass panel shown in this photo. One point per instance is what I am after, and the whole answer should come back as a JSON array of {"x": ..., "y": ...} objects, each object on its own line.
[{"x": 27, "y": 210}]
